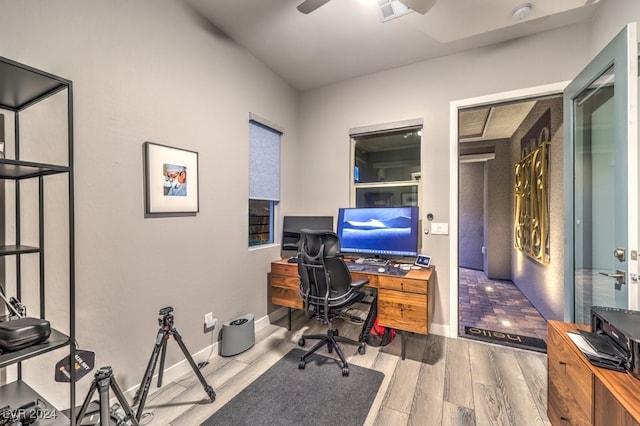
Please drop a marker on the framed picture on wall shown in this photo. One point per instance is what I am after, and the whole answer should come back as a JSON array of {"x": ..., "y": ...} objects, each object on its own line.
[{"x": 171, "y": 180}]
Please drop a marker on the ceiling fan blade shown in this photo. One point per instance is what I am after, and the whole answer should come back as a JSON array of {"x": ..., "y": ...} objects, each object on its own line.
[
  {"x": 308, "y": 6},
  {"x": 420, "y": 6}
]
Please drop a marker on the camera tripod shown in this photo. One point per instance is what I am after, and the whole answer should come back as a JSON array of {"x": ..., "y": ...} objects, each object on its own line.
[
  {"x": 102, "y": 381},
  {"x": 167, "y": 329}
]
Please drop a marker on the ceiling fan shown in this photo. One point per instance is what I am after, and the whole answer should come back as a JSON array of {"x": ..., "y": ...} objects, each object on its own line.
[{"x": 420, "y": 6}]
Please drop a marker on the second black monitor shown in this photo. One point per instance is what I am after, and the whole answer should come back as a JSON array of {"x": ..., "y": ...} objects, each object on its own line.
[{"x": 291, "y": 226}]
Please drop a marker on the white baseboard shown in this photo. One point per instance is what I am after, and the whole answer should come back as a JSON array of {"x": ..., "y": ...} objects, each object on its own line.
[
  {"x": 440, "y": 330},
  {"x": 277, "y": 314}
]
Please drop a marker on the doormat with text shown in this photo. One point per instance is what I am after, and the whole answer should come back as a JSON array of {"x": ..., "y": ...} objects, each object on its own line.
[{"x": 507, "y": 339}]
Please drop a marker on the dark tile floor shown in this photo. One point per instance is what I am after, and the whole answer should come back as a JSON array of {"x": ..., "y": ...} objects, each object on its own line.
[{"x": 496, "y": 305}]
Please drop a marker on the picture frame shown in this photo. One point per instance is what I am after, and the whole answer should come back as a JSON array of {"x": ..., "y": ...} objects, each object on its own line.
[
  {"x": 170, "y": 180},
  {"x": 409, "y": 199}
]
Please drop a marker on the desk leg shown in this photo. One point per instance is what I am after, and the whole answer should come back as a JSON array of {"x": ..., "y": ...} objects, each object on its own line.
[
  {"x": 289, "y": 328},
  {"x": 404, "y": 343}
]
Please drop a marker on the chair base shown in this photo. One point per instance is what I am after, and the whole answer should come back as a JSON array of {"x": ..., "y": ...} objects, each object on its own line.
[{"x": 330, "y": 340}]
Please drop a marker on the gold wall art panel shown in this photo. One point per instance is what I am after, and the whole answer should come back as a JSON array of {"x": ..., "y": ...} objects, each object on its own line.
[{"x": 531, "y": 212}]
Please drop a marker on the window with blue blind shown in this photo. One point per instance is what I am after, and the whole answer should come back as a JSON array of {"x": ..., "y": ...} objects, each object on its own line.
[{"x": 264, "y": 180}]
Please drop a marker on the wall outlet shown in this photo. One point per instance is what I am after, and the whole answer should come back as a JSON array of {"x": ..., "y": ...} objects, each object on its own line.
[{"x": 209, "y": 322}]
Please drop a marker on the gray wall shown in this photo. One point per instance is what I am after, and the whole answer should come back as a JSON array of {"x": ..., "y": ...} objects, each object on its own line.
[
  {"x": 495, "y": 203},
  {"x": 471, "y": 215},
  {"x": 543, "y": 283},
  {"x": 425, "y": 90},
  {"x": 150, "y": 70},
  {"x": 498, "y": 208}
]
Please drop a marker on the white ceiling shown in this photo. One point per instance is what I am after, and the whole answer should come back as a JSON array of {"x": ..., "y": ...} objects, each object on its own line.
[{"x": 346, "y": 38}]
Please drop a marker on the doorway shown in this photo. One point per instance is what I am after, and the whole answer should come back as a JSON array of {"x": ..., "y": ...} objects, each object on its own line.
[
  {"x": 509, "y": 260},
  {"x": 622, "y": 52}
]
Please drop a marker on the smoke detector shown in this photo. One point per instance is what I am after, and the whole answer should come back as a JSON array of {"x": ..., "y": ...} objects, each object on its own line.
[{"x": 520, "y": 12}]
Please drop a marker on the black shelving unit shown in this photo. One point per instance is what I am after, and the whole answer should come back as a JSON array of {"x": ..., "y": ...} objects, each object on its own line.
[{"x": 22, "y": 87}]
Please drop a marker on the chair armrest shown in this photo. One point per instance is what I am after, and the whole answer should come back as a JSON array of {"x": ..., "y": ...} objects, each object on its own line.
[{"x": 359, "y": 283}]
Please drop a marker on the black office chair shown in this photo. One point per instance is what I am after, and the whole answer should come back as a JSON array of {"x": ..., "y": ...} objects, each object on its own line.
[{"x": 326, "y": 288}]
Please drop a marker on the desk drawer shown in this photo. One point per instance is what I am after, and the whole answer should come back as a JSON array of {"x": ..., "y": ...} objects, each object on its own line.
[
  {"x": 562, "y": 409},
  {"x": 285, "y": 291},
  {"x": 569, "y": 377},
  {"x": 373, "y": 278},
  {"x": 284, "y": 268},
  {"x": 402, "y": 284},
  {"x": 402, "y": 310}
]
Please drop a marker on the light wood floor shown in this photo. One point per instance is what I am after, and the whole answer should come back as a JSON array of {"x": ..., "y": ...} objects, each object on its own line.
[{"x": 442, "y": 381}]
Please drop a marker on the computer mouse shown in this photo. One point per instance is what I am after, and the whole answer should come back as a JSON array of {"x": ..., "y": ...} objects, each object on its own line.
[{"x": 381, "y": 269}]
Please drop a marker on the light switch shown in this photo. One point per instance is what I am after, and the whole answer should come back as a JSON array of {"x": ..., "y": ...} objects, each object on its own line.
[{"x": 439, "y": 228}]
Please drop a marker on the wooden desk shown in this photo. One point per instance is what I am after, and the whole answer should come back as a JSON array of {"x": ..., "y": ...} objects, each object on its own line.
[
  {"x": 579, "y": 393},
  {"x": 404, "y": 303}
]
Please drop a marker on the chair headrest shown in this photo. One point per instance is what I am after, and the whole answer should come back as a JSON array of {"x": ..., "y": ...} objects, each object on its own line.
[{"x": 312, "y": 240}]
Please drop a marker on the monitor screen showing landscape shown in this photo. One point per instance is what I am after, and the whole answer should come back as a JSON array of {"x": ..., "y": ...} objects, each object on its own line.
[
  {"x": 291, "y": 226},
  {"x": 379, "y": 231}
]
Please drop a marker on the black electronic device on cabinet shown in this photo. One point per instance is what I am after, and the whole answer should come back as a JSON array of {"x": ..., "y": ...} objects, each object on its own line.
[{"x": 621, "y": 329}]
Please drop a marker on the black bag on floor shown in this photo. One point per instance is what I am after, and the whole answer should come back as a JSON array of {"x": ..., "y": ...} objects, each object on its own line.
[
  {"x": 373, "y": 333},
  {"x": 20, "y": 333}
]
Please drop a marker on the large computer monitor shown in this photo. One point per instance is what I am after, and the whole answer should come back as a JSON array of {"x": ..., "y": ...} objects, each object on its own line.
[
  {"x": 291, "y": 226},
  {"x": 379, "y": 231}
]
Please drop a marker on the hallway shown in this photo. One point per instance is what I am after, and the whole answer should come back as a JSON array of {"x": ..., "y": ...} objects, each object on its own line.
[{"x": 496, "y": 305}]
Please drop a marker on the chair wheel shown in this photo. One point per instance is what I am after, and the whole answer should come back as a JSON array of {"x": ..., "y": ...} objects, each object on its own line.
[
  {"x": 330, "y": 349},
  {"x": 345, "y": 371},
  {"x": 302, "y": 342},
  {"x": 301, "y": 365},
  {"x": 336, "y": 332},
  {"x": 362, "y": 349}
]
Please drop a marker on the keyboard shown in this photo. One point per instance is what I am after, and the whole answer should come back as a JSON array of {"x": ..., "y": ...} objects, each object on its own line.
[
  {"x": 372, "y": 261},
  {"x": 355, "y": 266}
]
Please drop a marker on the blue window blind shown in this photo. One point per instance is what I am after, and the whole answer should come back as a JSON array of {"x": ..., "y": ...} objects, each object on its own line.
[{"x": 264, "y": 162}]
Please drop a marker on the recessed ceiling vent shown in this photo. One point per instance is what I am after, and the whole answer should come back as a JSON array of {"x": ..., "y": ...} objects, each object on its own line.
[{"x": 390, "y": 9}]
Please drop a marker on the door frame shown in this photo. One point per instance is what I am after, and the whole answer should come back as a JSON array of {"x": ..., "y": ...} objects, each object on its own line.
[{"x": 454, "y": 106}]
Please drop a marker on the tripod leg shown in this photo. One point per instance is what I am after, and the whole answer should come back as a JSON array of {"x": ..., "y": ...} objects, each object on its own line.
[
  {"x": 103, "y": 392},
  {"x": 85, "y": 404},
  {"x": 163, "y": 355},
  {"x": 141, "y": 393},
  {"x": 123, "y": 403},
  {"x": 207, "y": 388}
]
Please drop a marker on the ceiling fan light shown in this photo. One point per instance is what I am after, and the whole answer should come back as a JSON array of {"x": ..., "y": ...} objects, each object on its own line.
[{"x": 520, "y": 12}]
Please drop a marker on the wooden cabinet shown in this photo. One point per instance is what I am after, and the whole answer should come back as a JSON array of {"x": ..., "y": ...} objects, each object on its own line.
[
  {"x": 580, "y": 393},
  {"x": 608, "y": 410}
]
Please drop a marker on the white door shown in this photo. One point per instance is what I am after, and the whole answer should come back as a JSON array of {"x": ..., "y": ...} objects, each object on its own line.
[{"x": 601, "y": 181}]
